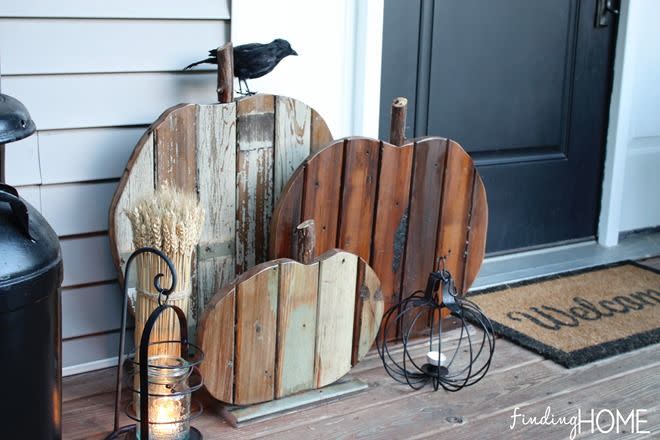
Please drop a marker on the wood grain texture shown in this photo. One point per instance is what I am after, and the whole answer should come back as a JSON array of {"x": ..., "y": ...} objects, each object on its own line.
[
  {"x": 296, "y": 328},
  {"x": 402, "y": 211},
  {"x": 287, "y": 215},
  {"x": 454, "y": 221},
  {"x": 336, "y": 305},
  {"x": 476, "y": 246},
  {"x": 175, "y": 139},
  {"x": 292, "y": 139},
  {"x": 391, "y": 226},
  {"x": 425, "y": 199},
  {"x": 256, "y": 332},
  {"x": 322, "y": 192},
  {"x": 218, "y": 330},
  {"x": 358, "y": 196},
  {"x": 320, "y": 133},
  {"x": 255, "y": 133},
  {"x": 216, "y": 171},
  {"x": 225, "y": 61},
  {"x": 134, "y": 190},
  {"x": 368, "y": 311}
]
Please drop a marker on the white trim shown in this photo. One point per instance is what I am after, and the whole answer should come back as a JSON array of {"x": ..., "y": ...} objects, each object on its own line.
[
  {"x": 618, "y": 133},
  {"x": 367, "y": 63},
  {"x": 89, "y": 366}
]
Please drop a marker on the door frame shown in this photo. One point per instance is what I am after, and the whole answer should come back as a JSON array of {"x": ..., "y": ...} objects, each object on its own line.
[{"x": 369, "y": 38}]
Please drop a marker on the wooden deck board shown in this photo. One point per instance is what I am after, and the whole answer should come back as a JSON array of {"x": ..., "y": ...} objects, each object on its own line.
[{"x": 518, "y": 378}]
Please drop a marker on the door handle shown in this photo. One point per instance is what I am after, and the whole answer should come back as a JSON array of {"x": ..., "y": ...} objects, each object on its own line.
[{"x": 605, "y": 9}]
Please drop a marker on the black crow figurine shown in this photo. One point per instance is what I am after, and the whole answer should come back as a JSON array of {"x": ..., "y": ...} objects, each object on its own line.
[{"x": 253, "y": 60}]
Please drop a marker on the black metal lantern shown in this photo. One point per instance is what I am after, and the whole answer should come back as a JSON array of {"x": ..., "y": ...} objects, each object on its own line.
[
  {"x": 451, "y": 366},
  {"x": 166, "y": 382}
]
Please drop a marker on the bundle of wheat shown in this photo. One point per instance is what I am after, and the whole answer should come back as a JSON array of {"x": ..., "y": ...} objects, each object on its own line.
[{"x": 171, "y": 221}]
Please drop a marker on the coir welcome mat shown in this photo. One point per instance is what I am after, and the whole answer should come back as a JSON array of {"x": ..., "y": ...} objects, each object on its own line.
[{"x": 579, "y": 317}]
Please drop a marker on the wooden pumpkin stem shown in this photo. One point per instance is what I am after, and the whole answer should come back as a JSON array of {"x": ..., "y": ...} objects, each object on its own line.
[
  {"x": 306, "y": 241},
  {"x": 225, "y": 57},
  {"x": 398, "y": 121}
]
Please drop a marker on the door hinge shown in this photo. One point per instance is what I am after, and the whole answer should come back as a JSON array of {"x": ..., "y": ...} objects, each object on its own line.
[{"x": 605, "y": 11}]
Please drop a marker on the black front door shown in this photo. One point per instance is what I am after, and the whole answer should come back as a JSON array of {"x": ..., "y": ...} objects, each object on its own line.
[{"x": 524, "y": 87}]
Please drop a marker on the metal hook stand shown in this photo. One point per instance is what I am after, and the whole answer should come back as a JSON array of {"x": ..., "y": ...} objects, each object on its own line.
[
  {"x": 192, "y": 361},
  {"x": 468, "y": 361}
]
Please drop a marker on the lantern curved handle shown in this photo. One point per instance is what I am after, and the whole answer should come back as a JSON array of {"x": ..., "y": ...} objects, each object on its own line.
[{"x": 162, "y": 293}]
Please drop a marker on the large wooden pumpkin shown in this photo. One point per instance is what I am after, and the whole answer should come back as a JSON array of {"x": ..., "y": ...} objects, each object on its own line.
[
  {"x": 284, "y": 327},
  {"x": 406, "y": 210},
  {"x": 237, "y": 157}
]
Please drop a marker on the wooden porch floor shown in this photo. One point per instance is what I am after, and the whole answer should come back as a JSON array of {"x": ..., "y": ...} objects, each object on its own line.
[{"x": 387, "y": 410}]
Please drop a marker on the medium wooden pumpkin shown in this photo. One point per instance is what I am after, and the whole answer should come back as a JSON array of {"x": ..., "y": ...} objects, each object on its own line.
[
  {"x": 284, "y": 327},
  {"x": 406, "y": 210},
  {"x": 236, "y": 156}
]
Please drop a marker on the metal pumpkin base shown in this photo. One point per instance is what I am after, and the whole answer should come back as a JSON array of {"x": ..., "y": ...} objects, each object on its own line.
[
  {"x": 235, "y": 415},
  {"x": 130, "y": 433}
]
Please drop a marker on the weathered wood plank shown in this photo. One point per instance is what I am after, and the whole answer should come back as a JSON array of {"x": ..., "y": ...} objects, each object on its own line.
[
  {"x": 391, "y": 227},
  {"x": 426, "y": 193},
  {"x": 476, "y": 247},
  {"x": 217, "y": 330},
  {"x": 216, "y": 171},
  {"x": 320, "y": 133},
  {"x": 336, "y": 305},
  {"x": 296, "y": 328},
  {"x": 256, "y": 332},
  {"x": 174, "y": 143},
  {"x": 138, "y": 186},
  {"x": 292, "y": 139},
  {"x": 455, "y": 212},
  {"x": 358, "y": 199},
  {"x": 287, "y": 215},
  {"x": 255, "y": 132},
  {"x": 368, "y": 311},
  {"x": 321, "y": 195}
]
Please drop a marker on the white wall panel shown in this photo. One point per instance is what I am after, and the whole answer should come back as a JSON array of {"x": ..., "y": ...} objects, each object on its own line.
[
  {"x": 22, "y": 158},
  {"x": 91, "y": 309},
  {"x": 111, "y": 99},
  {"x": 77, "y": 46},
  {"x": 201, "y": 9},
  {"x": 77, "y": 208},
  {"x": 32, "y": 194},
  {"x": 87, "y": 260},
  {"x": 86, "y": 154}
]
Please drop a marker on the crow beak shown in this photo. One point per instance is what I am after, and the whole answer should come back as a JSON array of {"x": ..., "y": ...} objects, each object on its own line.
[{"x": 293, "y": 52}]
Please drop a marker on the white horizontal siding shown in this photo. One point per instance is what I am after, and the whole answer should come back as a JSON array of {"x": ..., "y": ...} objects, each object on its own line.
[
  {"x": 77, "y": 208},
  {"x": 107, "y": 99},
  {"x": 94, "y": 76},
  {"x": 86, "y": 260},
  {"x": 22, "y": 159},
  {"x": 97, "y": 307},
  {"x": 90, "y": 46},
  {"x": 87, "y": 154},
  {"x": 198, "y": 9}
]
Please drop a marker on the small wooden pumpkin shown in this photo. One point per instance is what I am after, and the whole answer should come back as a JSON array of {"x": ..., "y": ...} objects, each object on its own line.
[{"x": 284, "y": 327}]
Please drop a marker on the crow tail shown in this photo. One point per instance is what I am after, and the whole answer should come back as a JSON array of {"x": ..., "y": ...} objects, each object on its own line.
[{"x": 208, "y": 60}]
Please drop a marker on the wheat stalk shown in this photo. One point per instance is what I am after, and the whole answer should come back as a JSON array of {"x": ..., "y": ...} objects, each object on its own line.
[{"x": 169, "y": 220}]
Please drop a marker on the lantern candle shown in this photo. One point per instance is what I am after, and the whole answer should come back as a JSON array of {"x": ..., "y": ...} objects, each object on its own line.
[
  {"x": 169, "y": 398},
  {"x": 436, "y": 358}
]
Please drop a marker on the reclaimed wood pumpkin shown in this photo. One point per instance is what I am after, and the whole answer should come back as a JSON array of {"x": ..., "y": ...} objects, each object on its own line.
[
  {"x": 284, "y": 327},
  {"x": 404, "y": 209},
  {"x": 236, "y": 156}
]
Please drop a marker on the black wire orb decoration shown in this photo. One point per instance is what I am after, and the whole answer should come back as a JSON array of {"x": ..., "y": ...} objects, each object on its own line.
[{"x": 452, "y": 365}]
